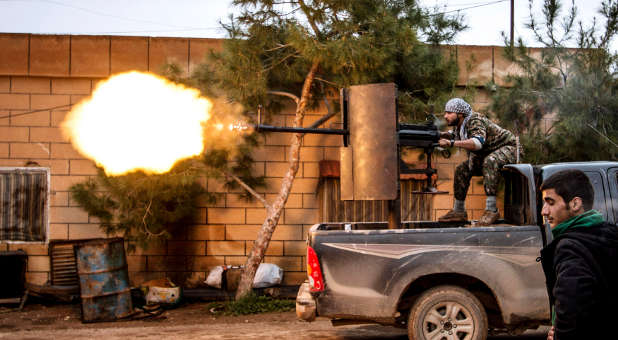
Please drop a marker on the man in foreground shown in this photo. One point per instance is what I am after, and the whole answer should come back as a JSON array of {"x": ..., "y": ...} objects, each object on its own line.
[
  {"x": 489, "y": 147},
  {"x": 580, "y": 263}
]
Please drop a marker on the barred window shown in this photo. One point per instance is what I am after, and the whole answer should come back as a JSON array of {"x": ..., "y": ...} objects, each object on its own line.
[{"x": 24, "y": 204}]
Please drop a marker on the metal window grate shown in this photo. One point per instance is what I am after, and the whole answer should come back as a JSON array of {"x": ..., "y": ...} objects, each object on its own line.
[
  {"x": 24, "y": 204},
  {"x": 414, "y": 207}
]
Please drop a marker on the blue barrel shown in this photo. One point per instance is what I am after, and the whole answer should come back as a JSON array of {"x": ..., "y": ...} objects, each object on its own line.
[{"x": 103, "y": 280}]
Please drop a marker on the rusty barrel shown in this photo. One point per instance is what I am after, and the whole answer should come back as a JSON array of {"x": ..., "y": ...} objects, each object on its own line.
[{"x": 103, "y": 280}]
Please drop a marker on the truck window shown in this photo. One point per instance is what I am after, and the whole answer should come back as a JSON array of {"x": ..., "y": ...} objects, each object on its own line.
[{"x": 599, "y": 193}]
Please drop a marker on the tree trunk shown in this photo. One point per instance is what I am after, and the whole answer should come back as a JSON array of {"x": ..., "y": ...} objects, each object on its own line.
[{"x": 274, "y": 213}]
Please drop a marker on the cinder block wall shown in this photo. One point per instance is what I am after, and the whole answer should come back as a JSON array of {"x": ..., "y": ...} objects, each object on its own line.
[{"x": 43, "y": 72}]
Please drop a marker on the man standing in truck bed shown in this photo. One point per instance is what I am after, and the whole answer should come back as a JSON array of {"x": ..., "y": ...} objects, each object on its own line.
[{"x": 489, "y": 148}]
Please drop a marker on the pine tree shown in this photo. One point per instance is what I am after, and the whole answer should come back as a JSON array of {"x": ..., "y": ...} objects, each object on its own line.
[
  {"x": 305, "y": 50},
  {"x": 575, "y": 85}
]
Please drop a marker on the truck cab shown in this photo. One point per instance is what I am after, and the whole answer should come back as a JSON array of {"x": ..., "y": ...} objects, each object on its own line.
[{"x": 429, "y": 277}]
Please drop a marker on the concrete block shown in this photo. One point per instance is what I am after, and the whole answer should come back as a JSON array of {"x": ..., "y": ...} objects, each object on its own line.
[
  {"x": 288, "y": 233},
  {"x": 70, "y": 215},
  {"x": 331, "y": 153},
  {"x": 30, "y": 249},
  {"x": 5, "y": 83},
  {"x": 206, "y": 232},
  {"x": 57, "y": 116},
  {"x": 443, "y": 202},
  {"x": 255, "y": 216},
  {"x": 154, "y": 248},
  {"x": 14, "y": 54},
  {"x": 13, "y": 134},
  {"x": 47, "y": 101},
  {"x": 30, "y": 85},
  {"x": 309, "y": 201},
  {"x": 308, "y": 154},
  {"x": 241, "y": 232},
  {"x": 295, "y": 248},
  {"x": 287, "y": 263},
  {"x": 47, "y": 134},
  {"x": 294, "y": 278},
  {"x": 71, "y": 86},
  {"x": 38, "y": 263},
  {"x": 39, "y": 278},
  {"x": 201, "y": 216},
  {"x": 58, "y": 231},
  {"x": 29, "y": 150},
  {"x": 236, "y": 201},
  {"x": 49, "y": 55},
  {"x": 475, "y": 65},
  {"x": 186, "y": 248},
  {"x": 64, "y": 151},
  {"x": 82, "y": 167},
  {"x": 301, "y": 216},
  {"x": 204, "y": 263},
  {"x": 199, "y": 49},
  {"x": 129, "y": 54},
  {"x": 275, "y": 248},
  {"x": 164, "y": 51},
  {"x": 82, "y": 230},
  {"x": 323, "y": 140},
  {"x": 280, "y": 169},
  {"x": 64, "y": 183},
  {"x": 225, "y": 248},
  {"x": 305, "y": 185},
  {"x": 311, "y": 169},
  {"x": 137, "y": 278},
  {"x": 226, "y": 216},
  {"x": 268, "y": 153},
  {"x": 90, "y": 56},
  {"x": 10, "y": 101},
  {"x": 42, "y": 118},
  {"x": 294, "y": 200},
  {"x": 235, "y": 260},
  {"x": 167, "y": 263}
]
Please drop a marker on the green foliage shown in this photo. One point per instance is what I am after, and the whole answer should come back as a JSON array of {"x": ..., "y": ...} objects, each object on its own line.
[
  {"x": 563, "y": 104},
  {"x": 273, "y": 44},
  {"x": 144, "y": 209},
  {"x": 251, "y": 304}
]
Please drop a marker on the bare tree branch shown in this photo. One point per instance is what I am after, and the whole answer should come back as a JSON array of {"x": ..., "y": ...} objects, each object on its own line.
[
  {"x": 250, "y": 190},
  {"x": 285, "y": 94}
]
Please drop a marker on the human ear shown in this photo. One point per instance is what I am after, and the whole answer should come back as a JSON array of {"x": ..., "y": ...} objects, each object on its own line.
[{"x": 576, "y": 204}]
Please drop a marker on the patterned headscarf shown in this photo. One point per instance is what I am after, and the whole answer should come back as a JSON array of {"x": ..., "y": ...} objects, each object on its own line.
[{"x": 458, "y": 105}]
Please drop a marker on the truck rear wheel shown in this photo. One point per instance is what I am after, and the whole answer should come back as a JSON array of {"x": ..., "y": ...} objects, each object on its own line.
[{"x": 447, "y": 313}]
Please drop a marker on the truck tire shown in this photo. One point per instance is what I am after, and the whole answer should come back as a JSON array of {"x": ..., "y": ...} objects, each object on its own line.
[{"x": 447, "y": 313}]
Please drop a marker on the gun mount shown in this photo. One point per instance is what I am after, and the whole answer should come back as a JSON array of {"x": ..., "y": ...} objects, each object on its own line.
[{"x": 372, "y": 137}]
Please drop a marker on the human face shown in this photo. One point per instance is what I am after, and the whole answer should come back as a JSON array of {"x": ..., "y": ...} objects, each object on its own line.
[
  {"x": 452, "y": 119},
  {"x": 555, "y": 209}
]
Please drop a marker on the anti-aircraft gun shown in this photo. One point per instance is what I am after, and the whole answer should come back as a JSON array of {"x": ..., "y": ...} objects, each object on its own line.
[{"x": 372, "y": 137}]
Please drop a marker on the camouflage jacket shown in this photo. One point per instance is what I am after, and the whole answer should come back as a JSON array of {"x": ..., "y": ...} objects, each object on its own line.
[{"x": 491, "y": 136}]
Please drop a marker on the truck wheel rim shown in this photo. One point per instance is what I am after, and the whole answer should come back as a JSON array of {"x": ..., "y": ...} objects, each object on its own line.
[{"x": 448, "y": 320}]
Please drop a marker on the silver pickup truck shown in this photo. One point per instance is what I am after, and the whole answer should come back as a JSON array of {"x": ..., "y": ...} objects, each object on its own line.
[{"x": 444, "y": 282}]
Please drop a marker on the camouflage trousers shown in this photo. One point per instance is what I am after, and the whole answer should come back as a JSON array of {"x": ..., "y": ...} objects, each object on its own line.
[{"x": 487, "y": 165}]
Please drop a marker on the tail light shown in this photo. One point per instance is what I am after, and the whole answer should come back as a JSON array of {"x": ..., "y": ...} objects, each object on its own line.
[{"x": 316, "y": 281}]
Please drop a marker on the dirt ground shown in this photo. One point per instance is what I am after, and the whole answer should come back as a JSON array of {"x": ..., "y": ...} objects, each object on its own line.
[{"x": 191, "y": 320}]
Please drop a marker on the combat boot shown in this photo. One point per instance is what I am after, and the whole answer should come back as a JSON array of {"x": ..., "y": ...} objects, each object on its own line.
[
  {"x": 454, "y": 216},
  {"x": 489, "y": 218}
]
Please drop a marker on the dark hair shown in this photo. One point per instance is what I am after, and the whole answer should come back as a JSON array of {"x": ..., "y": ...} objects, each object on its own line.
[{"x": 569, "y": 184}]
